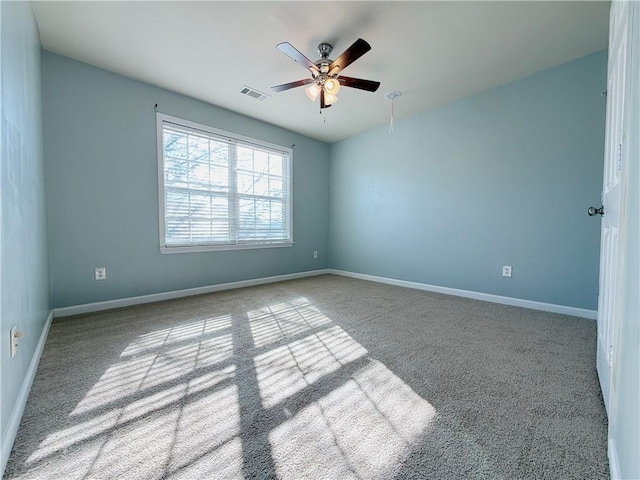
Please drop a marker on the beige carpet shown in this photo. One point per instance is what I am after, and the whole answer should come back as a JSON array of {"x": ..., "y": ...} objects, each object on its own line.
[{"x": 320, "y": 378}]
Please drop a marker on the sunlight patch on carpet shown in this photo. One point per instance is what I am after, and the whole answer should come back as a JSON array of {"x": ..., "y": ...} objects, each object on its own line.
[
  {"x": 284, "y": 320},
  {"x": 180, "y": 333},
  {"x": 339, "y": 435},
  {"x": 152, "y": 371},
  {"x": 284, "y": 371}
]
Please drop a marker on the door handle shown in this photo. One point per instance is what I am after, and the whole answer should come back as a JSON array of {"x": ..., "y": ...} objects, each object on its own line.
[{"x": 593, "y": 211}]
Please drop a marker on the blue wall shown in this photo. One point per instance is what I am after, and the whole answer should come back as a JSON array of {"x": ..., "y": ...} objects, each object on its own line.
[
  {"x": 102, "y": 190},
  {"x": 24, "y": 271},
  {"x": 502, "y": 177}
]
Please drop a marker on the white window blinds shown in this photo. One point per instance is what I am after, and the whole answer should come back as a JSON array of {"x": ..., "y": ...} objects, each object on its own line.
[{"x": 221, "y": 191}]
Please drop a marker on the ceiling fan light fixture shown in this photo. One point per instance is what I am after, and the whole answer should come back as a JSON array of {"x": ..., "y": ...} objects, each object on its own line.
[
  {"x": 312, "y": 92},
  {"x": 331, "y": 86},
  {"x": 330, "y": 99}
]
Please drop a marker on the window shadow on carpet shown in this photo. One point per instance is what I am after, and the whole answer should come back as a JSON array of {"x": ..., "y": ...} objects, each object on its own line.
[{"x": 279, "y": 391}]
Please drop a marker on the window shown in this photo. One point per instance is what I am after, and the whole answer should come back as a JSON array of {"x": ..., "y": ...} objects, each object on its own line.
[{"x": 219, "y": 190}]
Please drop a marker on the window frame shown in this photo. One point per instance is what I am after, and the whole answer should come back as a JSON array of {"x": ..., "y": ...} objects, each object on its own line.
[{"x": 230, "y": 137}]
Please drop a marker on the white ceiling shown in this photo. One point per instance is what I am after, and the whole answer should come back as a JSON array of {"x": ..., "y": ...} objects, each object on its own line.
[{"x": 433, "y": 52}]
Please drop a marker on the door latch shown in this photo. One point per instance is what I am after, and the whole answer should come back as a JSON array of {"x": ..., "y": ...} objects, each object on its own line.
[{"x": 593, "y": 211}]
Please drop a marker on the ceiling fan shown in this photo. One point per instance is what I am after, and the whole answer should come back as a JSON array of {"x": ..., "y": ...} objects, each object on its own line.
[{"x": 325, "y": 78}]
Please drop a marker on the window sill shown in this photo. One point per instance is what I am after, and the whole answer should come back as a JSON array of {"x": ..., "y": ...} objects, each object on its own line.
[{"x": 218, "y": 248}]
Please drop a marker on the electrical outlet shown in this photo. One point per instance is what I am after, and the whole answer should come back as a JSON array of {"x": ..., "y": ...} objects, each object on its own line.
[
  {"x": 506, "y": 271},
  {"x": 315, "y": 254},
  {"x": 101, "y": 273},
  {"x": 14, "y": 335}
]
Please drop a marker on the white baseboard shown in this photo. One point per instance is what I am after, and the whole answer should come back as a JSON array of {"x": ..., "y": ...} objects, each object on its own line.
[
  {"x": 23, "y": 395},
  {"x": 158, "y": 297},
  {"x": 487, "y": 297},
  {"x": 614, "y": 468}
]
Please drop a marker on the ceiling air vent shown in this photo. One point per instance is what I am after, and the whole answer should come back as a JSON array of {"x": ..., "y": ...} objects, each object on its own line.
[{"x": 253, "y": 93}]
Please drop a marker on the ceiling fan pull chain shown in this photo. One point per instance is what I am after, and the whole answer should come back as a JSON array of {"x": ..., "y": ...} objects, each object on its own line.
[
  {"x": 392, "y": 96},
  {"x": 392, "y": 115}
]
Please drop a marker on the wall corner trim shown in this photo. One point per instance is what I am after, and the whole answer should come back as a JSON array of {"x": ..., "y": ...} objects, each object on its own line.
[
  {"x": 486, "y": 297},
  {"x": 614, "y": 468},
  {"x": 159, "y": 297},
  {"x": 23, "y": 395}
]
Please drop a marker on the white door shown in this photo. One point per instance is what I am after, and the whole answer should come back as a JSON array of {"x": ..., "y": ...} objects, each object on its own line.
[{"x": 614, "y": 171}]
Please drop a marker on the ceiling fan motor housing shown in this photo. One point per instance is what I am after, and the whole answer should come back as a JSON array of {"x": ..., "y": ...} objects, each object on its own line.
[{"x": 324, "y": 49}]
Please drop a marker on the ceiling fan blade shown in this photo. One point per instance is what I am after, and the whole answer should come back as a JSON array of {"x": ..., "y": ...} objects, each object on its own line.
[
  {"x": 368, "y": 85},
  {"x": 287, "y": 86},
  {"x": 350, "y": 55},
  {"x": 291, "y": 52}
]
